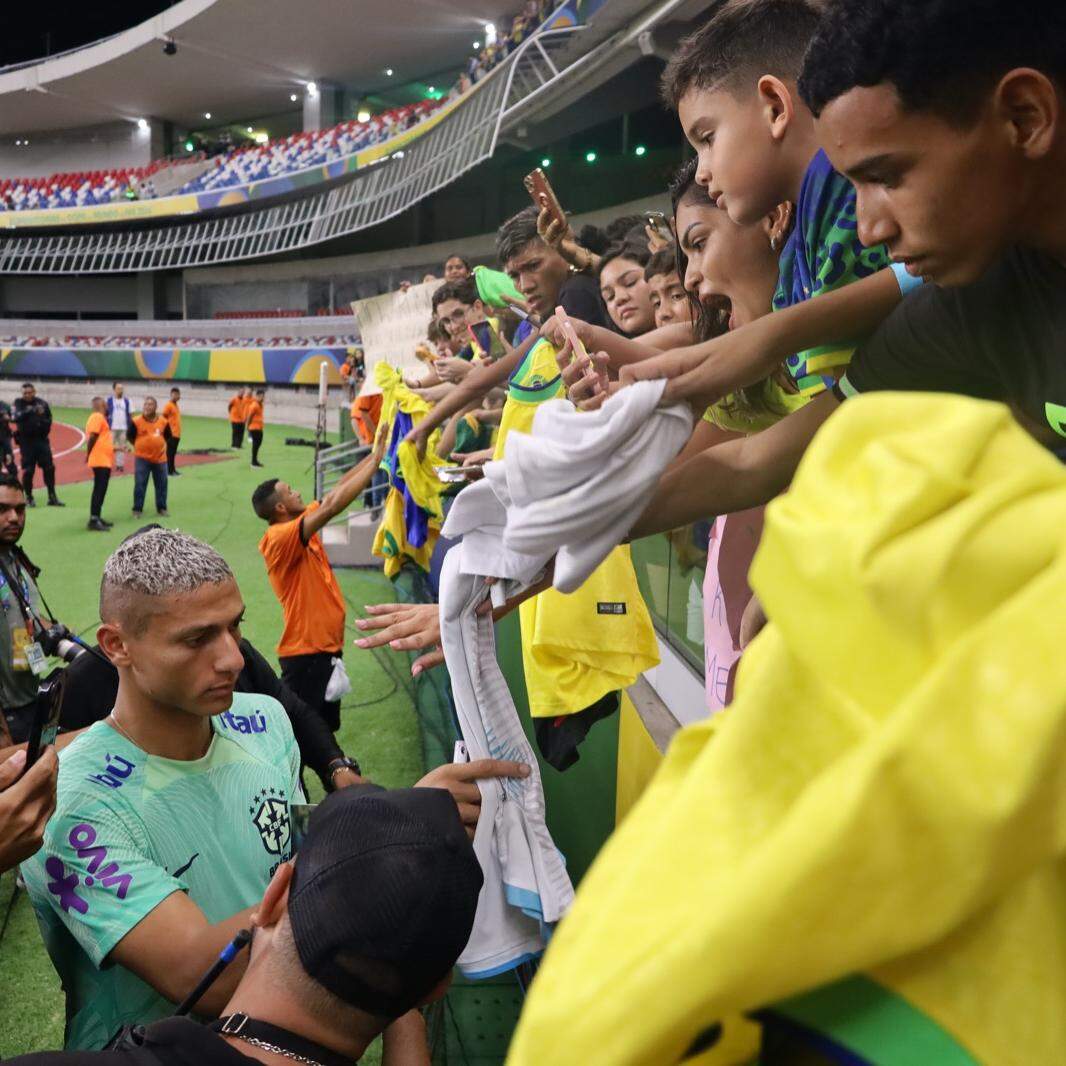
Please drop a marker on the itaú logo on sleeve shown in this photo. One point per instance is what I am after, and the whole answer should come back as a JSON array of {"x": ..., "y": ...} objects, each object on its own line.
[
  {"x": 243, "y": 723},
  {"x": 115, "y": 773}
]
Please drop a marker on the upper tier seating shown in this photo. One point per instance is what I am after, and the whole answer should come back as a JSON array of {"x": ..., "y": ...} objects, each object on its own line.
[{"x": 239, "y": 166}]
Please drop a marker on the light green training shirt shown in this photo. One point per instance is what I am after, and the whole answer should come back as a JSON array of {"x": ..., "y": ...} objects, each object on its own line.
[{"x": 131, "y": 828}]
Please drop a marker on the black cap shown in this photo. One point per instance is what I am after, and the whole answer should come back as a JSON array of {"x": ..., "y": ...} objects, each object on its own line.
[{"x": 383, "y": 896}]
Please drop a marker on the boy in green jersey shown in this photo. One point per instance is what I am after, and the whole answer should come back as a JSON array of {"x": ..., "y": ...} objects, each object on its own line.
[{"x": 173, "y": 812}]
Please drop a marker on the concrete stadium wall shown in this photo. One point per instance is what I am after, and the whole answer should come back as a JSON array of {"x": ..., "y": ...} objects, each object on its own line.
[
  {"x": 293, "y": 405},
  {"x": 116, "y": 144}
]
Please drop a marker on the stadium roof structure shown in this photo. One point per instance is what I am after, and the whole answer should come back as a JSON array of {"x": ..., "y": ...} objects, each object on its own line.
[{"x": 240, "y": 57}]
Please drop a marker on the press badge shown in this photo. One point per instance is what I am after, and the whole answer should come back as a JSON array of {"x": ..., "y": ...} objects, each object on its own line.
[{"x": 36, "y": 658}]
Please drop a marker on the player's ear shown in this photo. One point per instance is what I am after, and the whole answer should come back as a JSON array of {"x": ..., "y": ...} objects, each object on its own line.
[{"x": 112, "y": 643}]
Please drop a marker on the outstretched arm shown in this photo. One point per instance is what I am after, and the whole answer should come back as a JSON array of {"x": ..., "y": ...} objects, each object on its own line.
[
  {"x": 343, "y": 493},
  {"x": 472, "y": 389},
  {"x": 735, "y": 475},
  {"x": 704, "y": 373}
]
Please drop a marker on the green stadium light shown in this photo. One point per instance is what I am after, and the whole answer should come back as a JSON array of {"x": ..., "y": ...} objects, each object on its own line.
[
  {"x": 545, "y": 162},
  {"x": 590, "y": 157},
  {"x": 188, "y": 146},
  {"x": 639, "y": 150}
]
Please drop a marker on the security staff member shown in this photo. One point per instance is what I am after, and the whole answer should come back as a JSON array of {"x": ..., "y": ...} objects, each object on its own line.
[{"x": 33, "y": 424}]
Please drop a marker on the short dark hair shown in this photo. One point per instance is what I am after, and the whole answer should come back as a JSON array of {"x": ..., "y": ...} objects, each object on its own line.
[
  {"x": 942, "y": 56},
  {"x": 464, "y": 291},
  {"x": 174, "y": 388},
  {"x": 9, "y": 481},
  {"x": 28, "y": 385},
  {"x": 516, "y": 234},
  {"x": 741, "y": 41},
  {"x": 265, "y": 497},
  {"x": 260, "y": 392},
  {"x": 462, "y": 259},
  {"x": 635, "y": 250},
  {"x": 663, "y": 261}
]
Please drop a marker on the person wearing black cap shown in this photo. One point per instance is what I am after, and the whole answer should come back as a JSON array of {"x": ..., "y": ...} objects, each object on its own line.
[{"x": 351, "y": 937}]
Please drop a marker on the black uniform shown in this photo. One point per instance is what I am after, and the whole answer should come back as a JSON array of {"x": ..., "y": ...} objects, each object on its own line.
[
  {"x": 7, "y": 453},
  {"x": 33, "y": 423}
]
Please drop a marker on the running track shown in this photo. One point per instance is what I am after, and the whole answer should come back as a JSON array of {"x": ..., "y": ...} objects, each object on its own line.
[{"x": 68, "y": 452}]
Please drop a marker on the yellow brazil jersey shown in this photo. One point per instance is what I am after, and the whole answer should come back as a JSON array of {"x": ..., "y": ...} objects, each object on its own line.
[{"x": 575, "y": 648}]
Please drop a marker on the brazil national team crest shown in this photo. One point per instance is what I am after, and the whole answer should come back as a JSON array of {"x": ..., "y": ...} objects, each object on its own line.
[{"x": 270, "y": 814}]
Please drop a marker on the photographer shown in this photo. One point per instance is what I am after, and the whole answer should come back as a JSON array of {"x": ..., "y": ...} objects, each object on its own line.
[
  {"x": 20, "y": 600},
  {"x": 351, "y": 937},
  {"x": 33, "y": 424}
]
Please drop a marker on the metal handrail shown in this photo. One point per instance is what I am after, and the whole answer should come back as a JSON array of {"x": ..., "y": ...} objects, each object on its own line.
[{"x": 332, "y": 463}]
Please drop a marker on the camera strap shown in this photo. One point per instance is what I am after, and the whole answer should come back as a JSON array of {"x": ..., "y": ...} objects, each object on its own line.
[{"x": 279, "y": 1041}]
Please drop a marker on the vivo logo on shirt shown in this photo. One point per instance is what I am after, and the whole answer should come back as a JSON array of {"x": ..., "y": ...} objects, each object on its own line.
[
  {"x": 115, "y": 773},
  {"x": 244, "y": 723}
]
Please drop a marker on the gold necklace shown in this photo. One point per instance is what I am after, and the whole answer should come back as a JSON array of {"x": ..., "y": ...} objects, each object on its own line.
[{"x": 118, "y": 726}]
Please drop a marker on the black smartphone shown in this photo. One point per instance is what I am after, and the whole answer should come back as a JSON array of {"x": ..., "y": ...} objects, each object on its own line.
[
  {"x": 488, "y": 340},
  {"x": 46, "y": 712}
]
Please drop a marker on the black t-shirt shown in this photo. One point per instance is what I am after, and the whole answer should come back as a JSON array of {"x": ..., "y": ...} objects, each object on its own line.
[
  {"x": 1001, "y": 338},
  {"x": 173, "y": 1042},
  {"x": 92, "y": 684},
  {"x": 580, "y": 296}
]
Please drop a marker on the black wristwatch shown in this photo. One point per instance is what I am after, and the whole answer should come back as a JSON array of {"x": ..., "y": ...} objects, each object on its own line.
[{"x": 343, "y": 763}]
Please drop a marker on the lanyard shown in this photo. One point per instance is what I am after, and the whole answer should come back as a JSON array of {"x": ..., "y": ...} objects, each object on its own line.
[{"x": 6, "y": 589}]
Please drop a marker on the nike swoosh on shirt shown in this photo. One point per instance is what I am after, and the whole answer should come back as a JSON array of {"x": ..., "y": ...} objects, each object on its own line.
[{"x": 185, "y": 869}]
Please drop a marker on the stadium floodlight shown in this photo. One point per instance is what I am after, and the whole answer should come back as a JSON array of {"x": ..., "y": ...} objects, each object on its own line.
[
  {"x": 477, "y": 45},
  {"x": 188, "y": 146},
  {"x": 261, "y": 137},
  {"x": 545, "y": 162},
  {"x": 142, "y": 123},
  {"x": 388, "y": 72},
  {"x": 363, "y": 115},
  {"x": 293, "y": 97},
  {"x": 590, "y": 157},
  {"x": 490, "y": 33},
  {"x": 207, "y": 115},
  {"x": 639, "y": 150},
  {"x": 312, "y": 89}
]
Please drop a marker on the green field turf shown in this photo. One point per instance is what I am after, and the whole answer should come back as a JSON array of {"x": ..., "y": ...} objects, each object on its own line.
[{"x": 211, "y": 501}]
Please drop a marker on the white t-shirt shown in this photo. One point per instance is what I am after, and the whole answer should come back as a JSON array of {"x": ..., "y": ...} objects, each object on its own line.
[{"x": 118, "y": 418}]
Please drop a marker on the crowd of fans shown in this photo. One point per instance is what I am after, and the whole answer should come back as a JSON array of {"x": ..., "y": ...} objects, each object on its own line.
[
  {"x": 487, "y": 58},
  {"x": 855, "y": 310}
]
